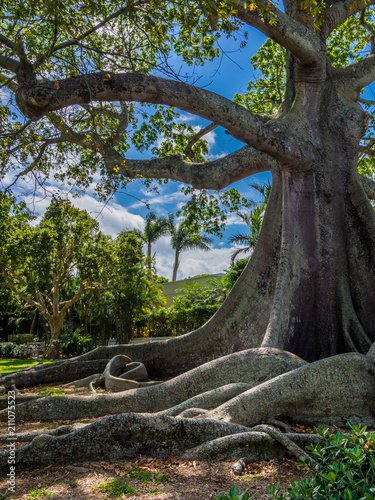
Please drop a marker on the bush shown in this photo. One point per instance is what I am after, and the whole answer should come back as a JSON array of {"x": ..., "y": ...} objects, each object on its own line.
[
  {"x": 344, "y": 469},
  {"x": 232, "y": 495},
  {"x": 172, "y": 321},
  {"x": 11, "y": 350},
  {"x": 21, "y": 338},
  {"x": 75, "y": 343}
]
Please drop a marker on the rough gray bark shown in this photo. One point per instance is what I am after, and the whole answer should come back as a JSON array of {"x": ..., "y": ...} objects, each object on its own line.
[
  {"x": 251, "y": 367},
  {"x": 60, "y": 372}
]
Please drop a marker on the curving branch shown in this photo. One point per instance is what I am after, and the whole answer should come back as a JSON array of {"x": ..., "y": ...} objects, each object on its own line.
[
  {"x": 10, "y": 44},
  {"x": 210, "y": 175},
  {"x": 5, "y": 81},
  {"x": 288, "y": 32},
  {"x": 45, "y": 96},
  {"x": 9, "y": 64},
  {"x": 189, "y": 147},
  {"x": 371, "y": 31},
  {"x": 123, "y": 122},
  {"x": 338, "y": 12},
  {"x": 368, "y": 186},
  {"x": 356, "y": 76}
]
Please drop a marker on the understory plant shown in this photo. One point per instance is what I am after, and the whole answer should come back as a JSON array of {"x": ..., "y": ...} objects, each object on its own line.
[
  {"x": 232, "y": 495},
  {"x": 75, "y": 343},
  {"x": 115, "y": 488},
  {"x": 344, "y": 468}
]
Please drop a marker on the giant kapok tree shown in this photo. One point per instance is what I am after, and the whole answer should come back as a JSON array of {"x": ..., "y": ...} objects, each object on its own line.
[{"x": 292, "y": 342}]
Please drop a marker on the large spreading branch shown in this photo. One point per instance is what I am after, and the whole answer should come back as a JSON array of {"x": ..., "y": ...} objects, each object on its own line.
[
  {"x": 288, "y": 32},
  {"x": 368, "y": 186},
  {"x": 338, "y": 12},
  {"x": 356, "y": 76},
  {"x": 278, "y": 140},
  {"x": 9, "y": 64},
  {"x": 210, "y": 175}
]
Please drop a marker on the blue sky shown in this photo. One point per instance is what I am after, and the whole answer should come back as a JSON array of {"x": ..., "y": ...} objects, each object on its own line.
[{"x": 226, "y": 75}]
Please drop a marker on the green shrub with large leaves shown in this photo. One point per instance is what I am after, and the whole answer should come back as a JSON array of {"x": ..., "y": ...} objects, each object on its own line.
[{"x": 344, "y": 468}]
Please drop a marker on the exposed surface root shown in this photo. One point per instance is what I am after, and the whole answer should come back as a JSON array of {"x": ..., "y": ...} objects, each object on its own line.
[
  {"x": 252, "y": 446},
  {"x": 58, "y": 372},
  {"x": 18, "y": 400},
  {"x": 331, "y": 391},
  {"x": 121, "y": 374},
  {"x": 210, "y": 399},
  {"x": 252, "y": 366},
  {"x": 85, "y": 382},
  {"x": 26, "y": 437},
  {"x": 119, "y": 437},
  {"x": 283, "y": 439}
]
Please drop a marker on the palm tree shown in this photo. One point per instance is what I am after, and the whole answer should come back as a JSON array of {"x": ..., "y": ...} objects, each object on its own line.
[
  {"x": 183, "y": 239},
  {"x": 154, "y": 228},
  {"x": 253, "y": 220}
]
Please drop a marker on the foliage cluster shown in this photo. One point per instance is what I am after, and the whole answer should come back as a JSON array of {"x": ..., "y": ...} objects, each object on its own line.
[
  {"x": 192, "y": 307},
  {"x": 344, "y": 468},
  {"x": 66, "y": 271},
  {"x": 75, "y": 343},
  {"x": 232, "y": 495},
  {"x": 11, "y": 349},
  {"x": 115, "y": 488}
]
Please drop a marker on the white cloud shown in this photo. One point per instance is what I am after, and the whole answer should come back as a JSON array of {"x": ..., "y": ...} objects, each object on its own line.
[
  {"x": 113, "y": 218},
  {"x": 160, "y": 199},
  {"x": 186, "y": 118},
  {"x": 192, "y": 262}
]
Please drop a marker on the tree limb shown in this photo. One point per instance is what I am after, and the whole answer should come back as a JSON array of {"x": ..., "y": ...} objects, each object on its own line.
[
  {"x": 10, "y": 44},
  {"x": 356, "y": 76},
  {"x": 277, "y": 140},
  {"x": 8, "y": 82},
  {"x": 288, "y": 32},
  {"x": 9, "y": 64},
  {"x": 189, "y": 147},
  {"x": 211, "y": 175},
  {"x": 338, "y": 12},
  {"x": 371, "y": 31},
  {"x": 368, "y": 186},
  {"x": 123, "y": 119}
]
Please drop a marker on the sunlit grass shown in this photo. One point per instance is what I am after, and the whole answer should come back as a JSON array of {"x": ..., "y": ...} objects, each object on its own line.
[{"x": 12, "y": 365}]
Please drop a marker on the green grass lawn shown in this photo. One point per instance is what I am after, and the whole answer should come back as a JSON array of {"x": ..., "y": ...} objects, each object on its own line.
[{"x": 12, "y": 365}]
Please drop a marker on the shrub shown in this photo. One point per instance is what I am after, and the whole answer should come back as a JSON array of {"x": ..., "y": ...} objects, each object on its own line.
[
  {"x": 115, "y": 488},
  {"x": 21, "y": 338},
  {"x": 345, "y": 468},
  {"x": 232, "y": 495},
  {"x": 75, "y": 343},
  {"x": 11, "y": 350}
]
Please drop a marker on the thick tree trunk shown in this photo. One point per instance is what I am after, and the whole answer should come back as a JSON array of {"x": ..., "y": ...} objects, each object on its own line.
[
  {"x": 56, "y": 323},
  {"x": 308, "y": 287}
]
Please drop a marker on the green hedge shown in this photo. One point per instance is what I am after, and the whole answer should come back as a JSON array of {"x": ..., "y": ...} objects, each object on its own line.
[{"x": 171, "y": 322}]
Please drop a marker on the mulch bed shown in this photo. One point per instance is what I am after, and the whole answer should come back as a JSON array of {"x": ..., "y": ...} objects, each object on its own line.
[{"x": 185, "y": 480}]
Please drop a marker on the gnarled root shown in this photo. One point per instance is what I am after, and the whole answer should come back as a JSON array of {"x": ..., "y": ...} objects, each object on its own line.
[
  {"x": 252, "y": 446},
  {"x": 251, "y": 367},
  {"x": 118, "y": 437},
  {"x": 26, "y": 437},
  {"x": 210, "y": 399},
  {"x": 59, "y": 372},
  {"x": 331, "y": 391}
]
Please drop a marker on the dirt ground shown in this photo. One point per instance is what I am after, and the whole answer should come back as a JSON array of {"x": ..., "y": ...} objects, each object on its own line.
[{"x": 169, "y": 478}]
